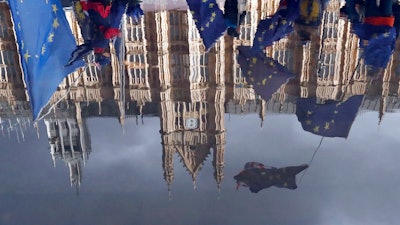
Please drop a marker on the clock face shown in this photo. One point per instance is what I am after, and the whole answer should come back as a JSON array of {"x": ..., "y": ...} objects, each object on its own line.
[{"x": 191, "y": 123}]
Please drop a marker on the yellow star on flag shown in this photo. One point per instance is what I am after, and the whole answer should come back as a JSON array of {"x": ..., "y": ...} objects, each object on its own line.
[
  {"x": 43, "y": 49},
  {"x": 316, "y": 129},
  {"x": 271, "y": 26},
  {"x": 264, "y": 81},
  {"x": 50, "y": 37},
  {"x": 27, "y": 56},
  {"x": 54, "y": 8},
  {"x": 55, "y": 23}
]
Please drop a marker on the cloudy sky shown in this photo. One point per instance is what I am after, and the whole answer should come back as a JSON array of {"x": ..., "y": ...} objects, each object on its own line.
[{"x": 351, "y": 181}]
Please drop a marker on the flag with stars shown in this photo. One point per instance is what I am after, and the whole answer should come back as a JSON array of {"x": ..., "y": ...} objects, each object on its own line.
[
  {"x": 277, "y": 26},
  {"x": 259, "y": 177},
  {"x": 380, "y": 46},
  {"x": 209, "y": 20},
  {"x": 45, "y": 43},
  {"x": 332, "y": 119},
  {"x": 264, "y": 73}
]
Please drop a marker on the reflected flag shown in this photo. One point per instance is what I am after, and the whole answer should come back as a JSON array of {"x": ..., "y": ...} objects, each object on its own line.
[
  {"x": 264, "y": 73},
  {"x": 380, "y": 46},
  {"x": 276, "y": 27},
  {"x": 45, "y": 43},
  {"x": 332, "y": 119},
  {"x": 209, "y": 20},
  {"x": 260, "y": 177},
  {"x": 79, "y": 53}
]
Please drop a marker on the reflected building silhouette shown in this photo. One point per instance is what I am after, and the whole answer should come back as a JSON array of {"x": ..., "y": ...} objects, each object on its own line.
[
  {"x": 191, "y": 95},
  {"x": 69, "y": 141},
  {"x": 14, "y": 108},
  {"x": 161, "y": 69}
]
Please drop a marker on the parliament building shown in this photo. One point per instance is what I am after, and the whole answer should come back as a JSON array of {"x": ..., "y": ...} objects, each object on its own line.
[{"x": 166, "y": 72}]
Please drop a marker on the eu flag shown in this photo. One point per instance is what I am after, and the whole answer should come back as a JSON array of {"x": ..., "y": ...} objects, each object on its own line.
[
  {"x": 264, "y": 73},
  {"x": 45, "y": 43},
  {"x": 277, "y": 26},
  {"x": 381, "y": 43},
  {"x": 209, "y": 20},
  {"x": 332, "y": 119},
  {"x": 257, "y": 177}
]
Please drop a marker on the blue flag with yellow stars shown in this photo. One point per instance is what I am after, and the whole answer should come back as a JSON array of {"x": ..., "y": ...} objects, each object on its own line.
[
  {"x": 380, "y": 46},
  {"x": 277, "y": 26},
  {"x": 257, "y": 177},
  {"x": 264, "y": 73},
  {"x": 332, "y": 119},
  {"x": 45, "y": 43},
  {"x": 209, "y": 20}
]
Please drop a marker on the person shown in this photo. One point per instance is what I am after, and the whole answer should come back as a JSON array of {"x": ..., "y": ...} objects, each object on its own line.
[
  {"x": 310, "y": 18},
  {"x": 233, "y": 16},
  {"x": 99, "y": 21},
  {"x": 373, "y": 23}
]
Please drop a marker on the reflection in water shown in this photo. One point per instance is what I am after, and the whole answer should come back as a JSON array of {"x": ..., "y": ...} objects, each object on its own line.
[
  {"x": 257, "y": 177},
  {"x": 374, "y": 25},
  {"x": 264, "y": 74},
  {"x": 99, "y": 24},
  {"x": 277, "y": 26},
  {"x": 45, "y": 42},
  {"x": 329, "y": 118},
  {"x": 210, "y": 20},
  {"x": 166, "y": 72},
  {"x": 234, "y": 13}
]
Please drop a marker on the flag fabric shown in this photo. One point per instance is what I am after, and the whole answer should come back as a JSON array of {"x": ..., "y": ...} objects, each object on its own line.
[
  {"x": 380, "y": 46},
  {"x": 209, "y": 20},
  {"x": 264, "y": 73},
  {"x": 277, "y": 26},
  {"x": 45, "y": 43},
  {"x": 258, "y": 178},
  {"x": 332, "y": 119}
]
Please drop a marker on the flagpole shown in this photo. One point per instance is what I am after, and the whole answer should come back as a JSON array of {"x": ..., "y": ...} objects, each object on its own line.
[
  {"x": 321, "y": 45},
  {"x": 121, "y": 64}
]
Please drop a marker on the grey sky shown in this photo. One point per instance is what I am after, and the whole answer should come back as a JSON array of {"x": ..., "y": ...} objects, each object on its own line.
[{"x": 351, "y": 181}]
